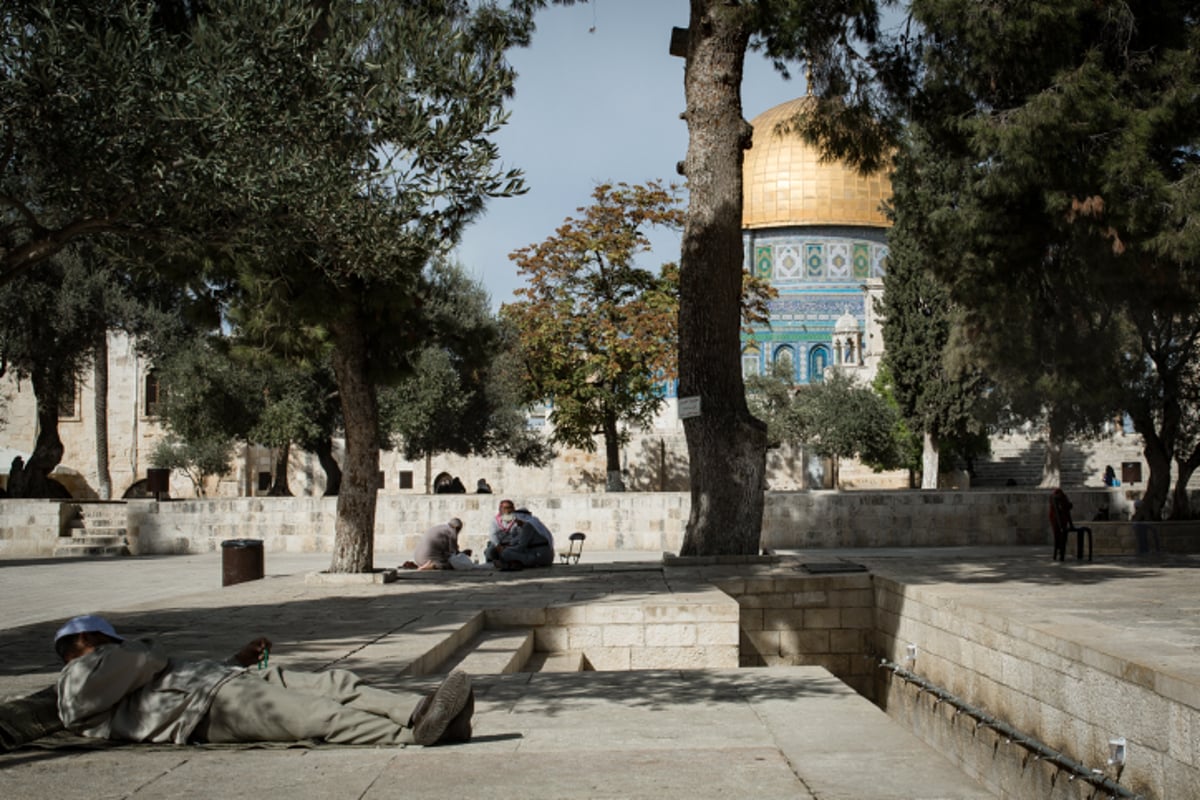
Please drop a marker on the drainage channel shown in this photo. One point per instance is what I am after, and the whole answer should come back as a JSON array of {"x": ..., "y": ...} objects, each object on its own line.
[{"x": 1041, "y": 751}]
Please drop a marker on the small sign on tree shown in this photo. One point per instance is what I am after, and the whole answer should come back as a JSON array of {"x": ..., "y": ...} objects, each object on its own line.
[{"x": 689, "y": 407}]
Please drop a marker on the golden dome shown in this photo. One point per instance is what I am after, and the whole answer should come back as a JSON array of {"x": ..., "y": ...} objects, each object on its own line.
[{"x": 785, "y": 182}]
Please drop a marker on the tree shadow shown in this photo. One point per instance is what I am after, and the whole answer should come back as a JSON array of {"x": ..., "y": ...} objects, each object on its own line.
[
  {"x": 969, "y": 568},
  {"x": 657, "y": 466}
]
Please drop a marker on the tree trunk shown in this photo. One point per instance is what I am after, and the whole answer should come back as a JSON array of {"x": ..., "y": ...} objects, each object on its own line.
[
  {"x": 1158, "y": 483},
  {"x": 612, "y": 456},
  {"x": 354, "y": 535},
  {"x": 33, "y": 479},
  {"x": 333, "y": 472},
  {"x": 1052, "y": 460},
  {"x": 727, "y": 446},
  {"x": 100, "y": 408},
  {"x": 1181, "y": 504},
  {"x": 279, "y": 482},
  {"x": 929, "y": 462}
]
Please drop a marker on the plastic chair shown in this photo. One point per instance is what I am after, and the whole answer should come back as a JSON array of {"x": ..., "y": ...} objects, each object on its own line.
[{"x": 571, "y": 554}]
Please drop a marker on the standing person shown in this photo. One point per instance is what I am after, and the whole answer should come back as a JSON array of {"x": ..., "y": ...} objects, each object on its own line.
[
  {"x": 112, "y": 688},
  {"x": 437, "y": 545},
  {"x": 534, "y": 545},
  {"x": 503, "y": 531}
]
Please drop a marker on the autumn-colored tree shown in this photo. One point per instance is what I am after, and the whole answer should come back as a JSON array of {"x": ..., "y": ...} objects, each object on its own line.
[{"x": 597, "y": 331}]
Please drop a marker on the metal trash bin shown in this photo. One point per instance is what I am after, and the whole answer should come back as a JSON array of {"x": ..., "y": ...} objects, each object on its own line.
[{"x": 241, "y": 560}]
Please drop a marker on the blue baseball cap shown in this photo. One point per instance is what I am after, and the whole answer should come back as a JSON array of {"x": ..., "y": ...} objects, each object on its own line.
[{"x": 87, "y": 623}]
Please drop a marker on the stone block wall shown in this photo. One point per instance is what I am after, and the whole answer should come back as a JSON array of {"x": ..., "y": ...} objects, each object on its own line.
[
  {"x": 650, "y": 522},
  {"x": 1128, "y": 538},
  {"x": 31, "y": 528},
  {"x": 679, "y": 630},
  {"x": 1070, "y": 696},
  {"x": 796, "y": 520},
  {"x": 821, "y": 620}
]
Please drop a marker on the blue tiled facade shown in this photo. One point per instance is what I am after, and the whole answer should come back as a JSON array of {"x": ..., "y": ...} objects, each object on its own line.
[{"x": 819, "y": 273}]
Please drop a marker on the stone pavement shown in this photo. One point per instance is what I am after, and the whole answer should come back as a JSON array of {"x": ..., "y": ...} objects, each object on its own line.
[{"x": 792, "y": 732}]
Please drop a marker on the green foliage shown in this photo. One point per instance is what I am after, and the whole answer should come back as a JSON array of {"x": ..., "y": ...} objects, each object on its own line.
[
  {"x": 199, "y": 460},
  {"x": 207, "y": 401},
  {"x": 459, "y": 397},
  {"x": 771, "y": 398},
  {"x": 938, "y": 390},
  {"x": 842, "y": 419},
  {"x": 1058, "y": 151},
  {"x": 596, "y": 331},
  {"x": 838, "y": 418}
]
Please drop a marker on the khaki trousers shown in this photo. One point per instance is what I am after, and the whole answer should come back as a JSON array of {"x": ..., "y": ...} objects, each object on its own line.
[{"x": 280, "y": 705}]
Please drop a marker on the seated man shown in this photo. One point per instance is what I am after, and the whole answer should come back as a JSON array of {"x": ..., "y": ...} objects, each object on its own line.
[
  {"x": 503, "y": 531},
  {"x": 111, "y": 688},
  {"x": 531, "y": 546},
  {"x": 437, "y": 545}
]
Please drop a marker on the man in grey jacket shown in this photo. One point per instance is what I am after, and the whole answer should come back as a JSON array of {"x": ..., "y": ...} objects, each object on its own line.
[
  {"x": 437, "y": 545},
  {"x": 112, "y": 688}
]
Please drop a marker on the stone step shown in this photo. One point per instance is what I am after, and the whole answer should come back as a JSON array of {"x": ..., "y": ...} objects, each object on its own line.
[
  {"x": 570, "y": 661},
  {"x": 99, "y": 515},
  {"x": 495, "y": 652},
  {"x": 118, "y": 531},
  {"x": 84, "y": 549}
]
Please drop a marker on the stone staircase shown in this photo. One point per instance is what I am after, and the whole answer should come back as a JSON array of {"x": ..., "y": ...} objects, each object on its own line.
[
  {"x": 507, "y": 651},
  {"x": 1016, "y": 460},
  {"x": 94, "y": 530}
]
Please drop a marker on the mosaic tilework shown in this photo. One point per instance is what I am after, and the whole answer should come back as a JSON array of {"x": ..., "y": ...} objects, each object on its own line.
[
  {"x": 787, "y": 263},
  {"x": 762, "y": 261},
  {"x": 813, "y": 261},
  {"x": 862, "y": 260}
]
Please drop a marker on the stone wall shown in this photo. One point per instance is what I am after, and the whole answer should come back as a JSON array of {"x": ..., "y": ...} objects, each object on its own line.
[
  {"x": 822, "y": 620},
  {"x": 1068, "y": 695},
  {"x": 31, "y": 528},
  {"x": 651, "y": 522}
]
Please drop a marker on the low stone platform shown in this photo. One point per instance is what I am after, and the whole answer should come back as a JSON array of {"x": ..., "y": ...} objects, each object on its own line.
[
  {"x": 628, "y": 733},
  {"x": 1072, "y": 652}
]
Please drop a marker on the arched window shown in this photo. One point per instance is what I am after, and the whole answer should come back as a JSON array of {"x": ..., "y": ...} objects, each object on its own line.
[
  {"x": 785, "y": 357},
  {"x": 818, "y": 359},
  {"x": 751, "y": 362}
]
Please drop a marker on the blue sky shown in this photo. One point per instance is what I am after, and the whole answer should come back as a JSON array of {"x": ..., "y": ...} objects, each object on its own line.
[{"x": 592, "y": 107}]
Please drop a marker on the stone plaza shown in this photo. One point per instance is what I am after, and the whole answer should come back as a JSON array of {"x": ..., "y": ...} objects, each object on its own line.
[{"x": 637, "y": 674}]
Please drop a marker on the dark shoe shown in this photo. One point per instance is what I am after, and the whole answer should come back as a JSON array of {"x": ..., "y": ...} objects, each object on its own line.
[
  {"x": 435, "y": 713},
  {"x": 459, "y": 729}
]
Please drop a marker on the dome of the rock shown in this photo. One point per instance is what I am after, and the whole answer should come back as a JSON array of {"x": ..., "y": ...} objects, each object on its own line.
[{"x": 786, "y": 183}]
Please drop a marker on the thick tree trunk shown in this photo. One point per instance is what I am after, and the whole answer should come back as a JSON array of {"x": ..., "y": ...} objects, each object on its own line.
[
  {"x": 1181, "y": 504},
  {"x": 32, "y": 480},
  {"x": 613, "y": 481},
  {"x": 1158, "y": 484},
  {"x": 279, "y": 482},
  {"x": 354, "y": 533},
  {"x": 929, "y": 462},
  {"x": 1052, "y": 460},
  {"x": 100, "y": 409},
  {"x": 727, "y": 446},
  {"x": 333, "y": 472}
]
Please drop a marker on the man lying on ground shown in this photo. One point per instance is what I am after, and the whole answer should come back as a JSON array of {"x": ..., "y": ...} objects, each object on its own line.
[{"x": 113, "y": 688}]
